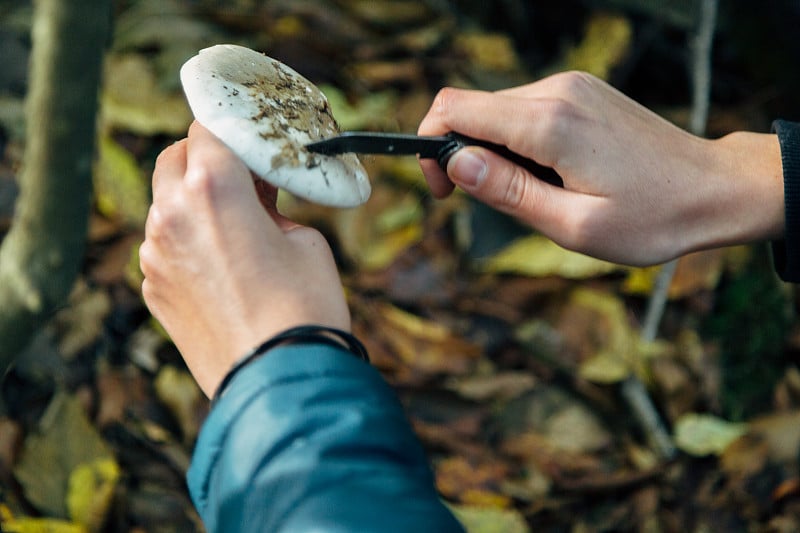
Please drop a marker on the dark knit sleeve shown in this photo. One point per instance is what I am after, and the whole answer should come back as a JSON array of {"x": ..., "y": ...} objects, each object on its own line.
[{"x": 786, "y": 253}]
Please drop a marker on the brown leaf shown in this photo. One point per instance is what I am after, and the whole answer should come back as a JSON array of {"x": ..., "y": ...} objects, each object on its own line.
[
  {"x": 410, "y": 348},
  {"x": 178, "y": 390},
  {"x": 10, "y": 441},
  {"x": 113, "y": 264},
  {"x": 472, "y": 481}
]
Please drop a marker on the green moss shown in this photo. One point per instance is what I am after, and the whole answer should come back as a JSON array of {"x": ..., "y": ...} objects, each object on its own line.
[{"x": 750, "y": 324}]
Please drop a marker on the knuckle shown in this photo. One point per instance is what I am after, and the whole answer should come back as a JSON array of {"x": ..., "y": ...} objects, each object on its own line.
[
  {"x": 156, "y": 223},
  {"x": 147, "y": 291},
  {"x": 577, "y": 232},
  {"x": 146, "y": 259},
  {"x": 517, "y": 193},
  {"x": 151, "y": 297},
  {"x": 445, "y": 100},
  {"x": 199, "y": 181},
  {"x": 163, "y": 227},
  {"x": 574, "y": 83}
]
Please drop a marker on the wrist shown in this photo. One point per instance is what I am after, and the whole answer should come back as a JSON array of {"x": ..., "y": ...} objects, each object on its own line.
[
  {"x": 740, "y": 189},
  {"x": 306, "y": 334}
]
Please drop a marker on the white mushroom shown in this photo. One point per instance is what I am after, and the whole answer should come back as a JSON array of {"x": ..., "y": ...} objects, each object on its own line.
[{"x": 266, "y": 113}]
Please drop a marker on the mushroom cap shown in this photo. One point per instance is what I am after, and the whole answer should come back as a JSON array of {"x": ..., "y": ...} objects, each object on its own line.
[{"x": 266, "y": 113}]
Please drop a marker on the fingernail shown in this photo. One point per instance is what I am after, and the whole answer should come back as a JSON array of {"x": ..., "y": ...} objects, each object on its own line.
[{"x": 467, "y": 169}]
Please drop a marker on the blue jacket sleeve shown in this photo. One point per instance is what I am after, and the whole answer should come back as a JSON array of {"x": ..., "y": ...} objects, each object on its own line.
[{"x": 309, "y": 438}]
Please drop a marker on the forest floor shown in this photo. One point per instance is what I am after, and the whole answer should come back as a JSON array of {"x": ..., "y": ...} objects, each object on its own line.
[{"x": 509, "y": 353}]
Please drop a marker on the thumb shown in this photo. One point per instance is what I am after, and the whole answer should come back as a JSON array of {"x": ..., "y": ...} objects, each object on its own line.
[
  {"x": 268, "y": 196},
  {"x": 501, "y": 184}
]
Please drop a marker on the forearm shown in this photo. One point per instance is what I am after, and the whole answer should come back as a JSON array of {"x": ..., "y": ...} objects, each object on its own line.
[{"x": 310, "y": 438}]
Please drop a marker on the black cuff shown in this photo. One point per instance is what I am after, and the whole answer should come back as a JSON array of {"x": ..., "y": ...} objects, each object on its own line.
[
  {"x": 309, "y": 334},
  {"x": 786, "y": 253}
]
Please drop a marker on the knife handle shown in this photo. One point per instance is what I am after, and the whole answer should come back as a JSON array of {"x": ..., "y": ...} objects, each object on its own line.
[{"x": 462, "y": 141}]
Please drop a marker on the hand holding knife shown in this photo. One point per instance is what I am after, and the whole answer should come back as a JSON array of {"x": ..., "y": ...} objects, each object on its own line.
[{"x": 440, "y": 148}]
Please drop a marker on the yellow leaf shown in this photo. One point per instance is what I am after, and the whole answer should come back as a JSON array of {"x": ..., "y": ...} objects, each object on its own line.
[
  {"x": 178, "y": 390},
  {"x": 701, "y": 434},
  {"x": 121, "y": 190},
  {"x": 370, "y": 112},
  {"x": 133, "y": 272},
  {"x": 411, "y": 347},
  {"x": 415, "y": 325},
  {"x": 65, "y": 440},
  {"x": 131, "y": 99},
  {"x": 489, "y": 519},
  {"x": 376, "y": 233},
  {"x": 641, "y": 280},
  {"x": 538, "y": 256},
  {"x": 605, "y": 44},
  {"x": 25, "y": 524},
  {"x": 695, "y": 272},
  {"x": 41, "y": 525},
  {"x": 605, "y": 367},
  {"x": 616, "y": 340},
  {"x": 492, "y": 51},
  {"x": 91, "y": 491},
  {"x": 82, "y": 321}
]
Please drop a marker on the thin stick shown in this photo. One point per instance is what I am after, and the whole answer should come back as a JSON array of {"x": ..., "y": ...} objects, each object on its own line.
[{"x": 633, "y": 390}]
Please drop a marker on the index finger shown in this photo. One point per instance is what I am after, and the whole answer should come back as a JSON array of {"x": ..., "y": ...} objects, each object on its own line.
[{"x": 169, "y": 169}]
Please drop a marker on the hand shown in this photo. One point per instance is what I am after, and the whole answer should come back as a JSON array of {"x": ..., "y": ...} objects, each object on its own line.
[
  {"x": 222, "y": 273},
  {"x": 637, "y": 189}
]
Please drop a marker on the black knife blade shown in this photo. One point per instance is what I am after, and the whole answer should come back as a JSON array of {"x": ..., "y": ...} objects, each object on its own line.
[{"x": 440, "y": 148}]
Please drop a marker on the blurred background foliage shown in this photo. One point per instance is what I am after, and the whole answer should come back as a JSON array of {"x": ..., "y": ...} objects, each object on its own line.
[{"x": 507, "y": 351}]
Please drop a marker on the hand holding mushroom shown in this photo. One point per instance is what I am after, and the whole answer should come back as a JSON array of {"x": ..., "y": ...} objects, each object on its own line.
[{"x": 221, "y": 273}]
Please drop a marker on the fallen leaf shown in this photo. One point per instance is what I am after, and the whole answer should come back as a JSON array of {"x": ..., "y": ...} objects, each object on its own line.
[
  {"x": 26, "y": 524},
  {"x": 596, "y": 327},
  {"x": 64, "y": 441},
  {"x": 10, "y": 439},
  {"x": 121, "y": 190},
  {"x": 538, "y": 256},
  {"x": 91, "y": 492},
  {"x": 178, "y": 390},
  {"x": 374, "y": 111},
  {"x": 576, "y": 429},
  {"x": 490, "y": 51},
  {"x": 502, "y": 385},
  {"x": 489, "y": 519},
  {"x": 391, "y": 13},
  {"x": 378, "y": 74},
  {"x": 131, "y": 99},
  {"x": 376, "y": 233},
  {"x": 112, "y": 266},
  {"x": 703, "y": 434},
  {"x": 472, "y": 481},
  {"x": 81, "y": 324},
  {"x": 606, "y": 42},
  {"x": 781, "y": 432},
  {"x": 563, "y": 423},
  {"x": 693, "y": 273},
  {"x": 411, "y": 348}
]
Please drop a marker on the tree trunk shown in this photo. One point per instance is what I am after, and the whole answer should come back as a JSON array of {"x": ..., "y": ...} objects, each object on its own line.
[{"x": 42, "y": 253}]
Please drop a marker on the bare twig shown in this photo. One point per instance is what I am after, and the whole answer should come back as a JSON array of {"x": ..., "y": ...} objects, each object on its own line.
[{"x": 633, "y": 390}]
